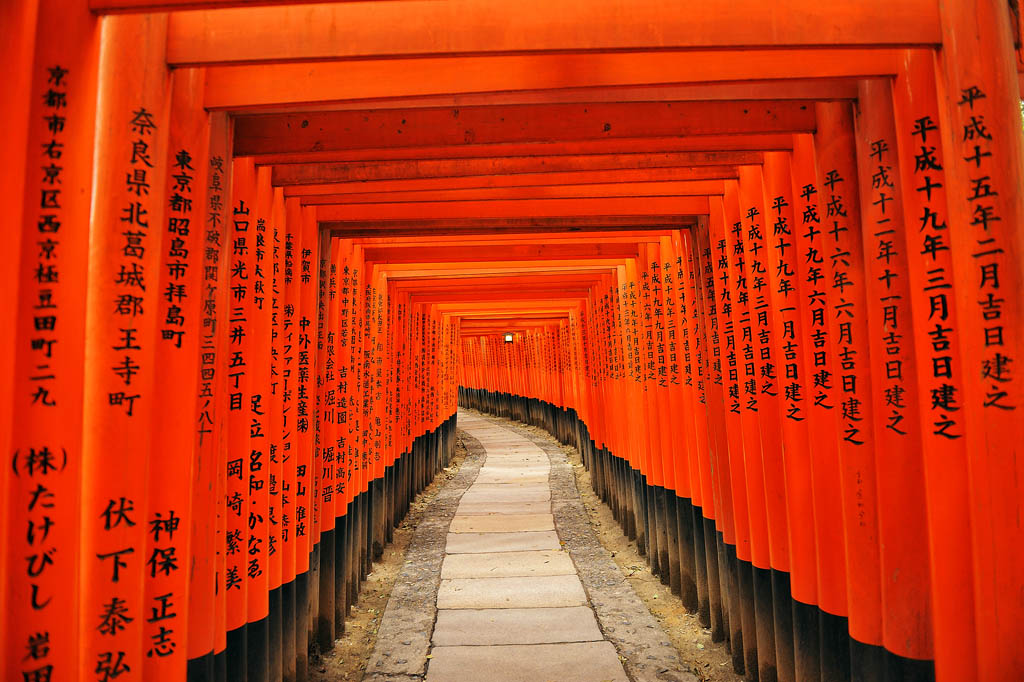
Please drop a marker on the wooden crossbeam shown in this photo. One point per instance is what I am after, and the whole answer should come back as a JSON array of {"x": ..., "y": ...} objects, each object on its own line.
[
  {"x": 440, "y": 227},
  {"x": 540, "y": 150},
  {"x": 459, "y": 80},
  {"x": 516, "y": 208},
  {"x": 583, "y": 191},
  {"x": 364, "y": 172},
  {"x": 337, "y": 130},
  {"x": 621, "y": 176},
  {"x": 410, "y": 28}
]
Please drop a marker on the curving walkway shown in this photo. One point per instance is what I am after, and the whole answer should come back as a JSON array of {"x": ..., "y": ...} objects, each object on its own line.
[{"x": 507, "y": 600}]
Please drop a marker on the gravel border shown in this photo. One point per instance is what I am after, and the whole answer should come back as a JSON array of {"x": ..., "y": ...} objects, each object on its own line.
[
  {"x": 403, "y": 639},
  {"x": 642, "y": 645}
]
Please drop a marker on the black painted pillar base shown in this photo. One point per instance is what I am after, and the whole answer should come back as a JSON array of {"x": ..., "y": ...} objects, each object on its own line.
[
  {"x": 748, "y": 617},
  {"x": 201, "y": 669},
  {"x": 700, "y": 550},
  {"x": 866, "y": 662},
  {"x": 288, "y": 631},
  {"x": 765, "y": 623},
  {"x": 257, "y": 651},
  {"x": 688, "y": 592},
  {"x": 672, "y": 528},
  {"x": 834, "y": 647},
  {"x": 234, "y": 654},
  {"x": 783, "y": 622},
  {"x": 737, "y": 644},
  {"x": 301, "y": 627},
  {"x": 275, "y": 652},
  {"x": 325, "y": 613},
  {"x": 712, "y": 552}
]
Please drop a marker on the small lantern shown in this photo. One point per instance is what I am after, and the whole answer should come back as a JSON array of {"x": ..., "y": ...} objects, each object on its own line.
[{"x": 508, "y": 337}]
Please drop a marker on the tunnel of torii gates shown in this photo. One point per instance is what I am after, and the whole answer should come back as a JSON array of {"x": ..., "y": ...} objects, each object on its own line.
[{"x": 759, "y": 261}]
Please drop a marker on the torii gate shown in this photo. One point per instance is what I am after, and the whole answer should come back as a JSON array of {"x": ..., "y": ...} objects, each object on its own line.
[{"x": 758, "y": 261}]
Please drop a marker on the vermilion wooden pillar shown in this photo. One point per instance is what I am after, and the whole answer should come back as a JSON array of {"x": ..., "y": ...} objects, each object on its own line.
[
  {"x": 259, "y": 546},
  {"x": 682, "y": 365},
  {"x": 839, "y": 201},
  {"x": 207, "y": 602},
  {"x": 630, "y": 449},
  {"x": 48, "y": 186},
  {"x": 294, "y": 518},
  {"x": 795, "y": 390},
  {"x": 652, "y": 426},
  {"x": 264, "y": 438},
  {"x": 308, "y": 276},
  {"x": 120, "y": 347},
  {"x": 822, "y": 422},
  {"x": 239, "y": 361},
  {"x": 656, "y": 476},
  {"x": 713, "y": 524},
  {"x": 283, "y": 460},
  {"x": 773, "y": 586},
  {"x": 931, "y": 281},
  {"x": 760, "y": 652},
  {"x": 981, "y": 130},
  {"x": 711, "y": 528},
  {"x": 327, "y": 360},
  {"x": 902, "y": 519},
  {"x": 729, "y": 436},
  {"x": 168, "y": 546},
  {"x": 17, "y": 38}
]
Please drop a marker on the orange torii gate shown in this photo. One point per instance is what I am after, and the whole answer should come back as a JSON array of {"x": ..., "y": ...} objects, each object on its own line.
[{"x": 758, "y": 262}]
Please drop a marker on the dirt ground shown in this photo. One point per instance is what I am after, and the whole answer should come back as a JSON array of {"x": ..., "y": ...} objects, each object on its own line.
[
  {"x": 709, "y": 661},
  {"x": 352, "y": 651}
]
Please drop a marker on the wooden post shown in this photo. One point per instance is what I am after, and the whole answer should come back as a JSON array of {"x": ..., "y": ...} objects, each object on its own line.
[
  {"x": 772, "y": 593},
  {"x": 730, "y": 445},
  {"x": 902, "y": 520},
  {"x": 173, "y": 440},
  {"x": 48, "y": 175},
  {"x": 293, "y": 517},
  {"x": 930, "y": 279},
  {"x": 783, "y": 266},
  {"x": 121, "y": 346},
  {"x": 981, "y": 129},
  {"x": 18, "y": 40},
  {"x": 238, "y": 579},
  {"x": 822, "y": 422}
]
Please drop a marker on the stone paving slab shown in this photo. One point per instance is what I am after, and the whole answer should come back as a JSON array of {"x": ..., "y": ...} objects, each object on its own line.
[
  {"x": 507, "y": 494},
  {"x": 538, "y": 459},
  {"x": 501, "y": 523},
  {"x": 576, "y": 662},
  {"x": 511, "y": 593},
  {"x": 507, "y": 564},
  {"x": 528, "y": 480},
  {"x": 515, "y": 626},
  {"x": 495, "y": 486},
  {"x": 515, "y": 468},
  {"x": 485, "y": 508},
  {"x": 462, "y": 543},
  {"x": 510, "y": 451},
  {"x": 505, "y": 478}
]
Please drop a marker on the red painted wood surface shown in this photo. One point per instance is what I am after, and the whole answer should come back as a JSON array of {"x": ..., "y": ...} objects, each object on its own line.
[{"x": 759, "y": 263}]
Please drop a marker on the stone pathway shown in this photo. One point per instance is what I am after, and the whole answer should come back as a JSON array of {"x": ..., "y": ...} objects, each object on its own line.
[{"x": 510, "y": 603}]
